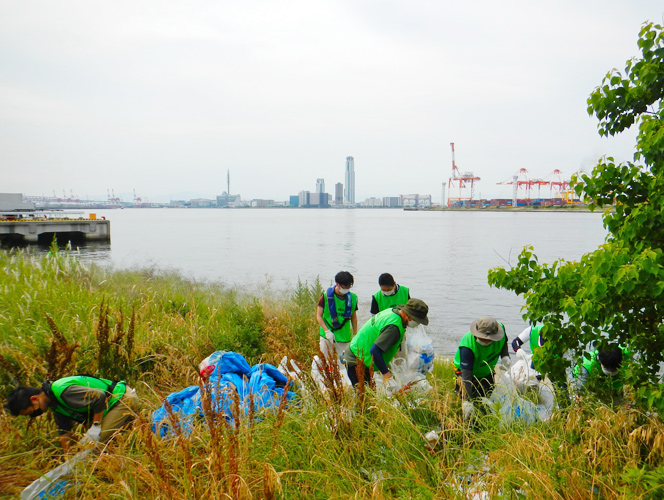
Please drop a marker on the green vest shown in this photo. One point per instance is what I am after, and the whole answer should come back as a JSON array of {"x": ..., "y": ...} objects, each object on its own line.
[
  {"x": 400, "y": 297},
  {"x": 343, "y": 334},
  {"x": 369, "y": 333},
  {"x": 534, "y": 344},
  {"x": 80, "y": 414},
  {"x": 594, "y": 369},
  {"x": 486, "y": 357}
]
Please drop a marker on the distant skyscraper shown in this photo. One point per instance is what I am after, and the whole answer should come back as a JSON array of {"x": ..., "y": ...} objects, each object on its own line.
[
  {"x": 304, "y": 198},
  {"x": 338, "y": 193},
  {"x": 320, "y": 185},
  {"x": 349, "y": 181}
]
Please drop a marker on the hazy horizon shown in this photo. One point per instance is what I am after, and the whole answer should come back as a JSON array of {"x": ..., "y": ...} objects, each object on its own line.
[{"x": 164, "y": 97}]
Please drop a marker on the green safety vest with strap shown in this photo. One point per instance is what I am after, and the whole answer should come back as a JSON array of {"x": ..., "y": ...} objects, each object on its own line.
[
  {"x": 486, "y": 357},
  {"x": 534, "y": 337},
  {"x": 369, "y": 333},
  {"x": 343, "y": 334},
  {"x": 534, "y": 344},
  {"x": 117, "y": 390},
  {"x": 390, "y": 301}
]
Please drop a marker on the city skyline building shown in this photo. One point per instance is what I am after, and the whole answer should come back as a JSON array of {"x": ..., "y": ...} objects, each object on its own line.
[
  {"x": 338, "y": 193},
  {"x": 349, "y": 181},
  {"x": 320, "y": 185},
  {"x": 304, "y": 198}
]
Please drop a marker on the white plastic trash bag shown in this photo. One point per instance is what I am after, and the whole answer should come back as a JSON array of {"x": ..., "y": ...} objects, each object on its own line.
[
  {"x": 419, "y": 350},
  {"x": 317, "y": 367},
  {"x": 507, "y": 401},
  {"x": 524, "y": 377},
  {"x": 405, "y": 376},
  {"x": 53, "y": 484}
]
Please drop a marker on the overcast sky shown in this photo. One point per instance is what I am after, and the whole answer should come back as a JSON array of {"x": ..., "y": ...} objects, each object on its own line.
[{"x": 163, "y": 97}]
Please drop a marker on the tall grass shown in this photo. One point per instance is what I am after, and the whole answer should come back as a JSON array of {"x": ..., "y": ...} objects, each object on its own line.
[{"x": 58, "y": 317}]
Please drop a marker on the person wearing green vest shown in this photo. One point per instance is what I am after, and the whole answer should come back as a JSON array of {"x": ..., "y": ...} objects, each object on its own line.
[
  {"x": 101, "y": 404},
  {"x": 379, "y": 339},
  {"x": 531, "y": 335},
  {"x": 390, "y": 294},
  {"x": 337, "y": 316},
  {"x": 476, "y": 358},
  {"x": 602, "y": 369}
]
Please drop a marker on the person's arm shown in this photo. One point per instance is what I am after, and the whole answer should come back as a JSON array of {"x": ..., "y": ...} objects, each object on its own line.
[
  {"x": 78, "y": 396},
  {"x": 523, "y": 337},
  {"x": 319, "y": 313},
  {"x": 93, "y": 400},
  {"x": 505, "y": 355},
  {"x": 374, "y": 306},
  {"x": 65, "y": 441},
  {"x": 97, "y": 417},
  {"x": 64, "y": 425},
  {"x": 319, "y": 318},
  {"x": 353, "y": 322},
  {"x": 379, "y": 361},
  {"x": 467, "y": 362},
  {"x": 389, "y": 336}
]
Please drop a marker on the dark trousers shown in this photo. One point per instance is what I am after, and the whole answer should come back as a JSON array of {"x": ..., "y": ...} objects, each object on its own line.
[
  {"x": 481, "y": 387},
  {"x": 352, "y": 375}
]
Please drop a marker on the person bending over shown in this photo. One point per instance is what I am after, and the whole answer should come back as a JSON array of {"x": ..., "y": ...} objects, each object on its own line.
[
  {"x": 379, "y": 339},
  {"x": 476, "y": 358},
  {"x": 100, "y": 404}
]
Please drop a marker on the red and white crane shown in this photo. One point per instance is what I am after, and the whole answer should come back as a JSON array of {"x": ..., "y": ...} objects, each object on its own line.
[{"x": 461, "y": 186}]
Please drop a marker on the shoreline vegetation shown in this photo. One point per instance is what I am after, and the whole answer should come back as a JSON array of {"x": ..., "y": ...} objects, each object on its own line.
[{"x": 60, "y": 317}]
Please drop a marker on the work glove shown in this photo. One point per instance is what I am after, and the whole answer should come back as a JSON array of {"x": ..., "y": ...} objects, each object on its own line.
[
  {"x": 468, "y": 409},
  {"x": 94, "y": 432},
  {"x": 329, "y": 335},
  {"x": 506, "y": 361},
  {"x": 391, "y": 385}
]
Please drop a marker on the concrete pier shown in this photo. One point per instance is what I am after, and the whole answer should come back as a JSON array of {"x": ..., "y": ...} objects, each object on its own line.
[{"x": 36, "y": 230}]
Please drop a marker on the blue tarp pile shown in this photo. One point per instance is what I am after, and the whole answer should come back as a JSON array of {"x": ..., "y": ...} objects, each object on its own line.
[{"x": 228, "y": 372}]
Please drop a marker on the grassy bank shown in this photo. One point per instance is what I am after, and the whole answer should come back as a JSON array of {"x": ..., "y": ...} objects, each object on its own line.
[{"x": 58, "y": 317}]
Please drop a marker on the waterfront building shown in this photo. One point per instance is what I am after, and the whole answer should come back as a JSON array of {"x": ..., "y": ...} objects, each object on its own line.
[
  {"x": 14, "y": 201},
  {"x": 392, "y": 201},
  {"x": 373, "y": 202},
  {"x": 201, "y": 203},
  {"x": 349, "y": 180},
  {"x": 304, "y": 198},
  {"x": 319, "y": 200},
  {"x": 294, "y": 201},
  {"x": 416, "y": 200},
  {"x": 229, "y": 200},
  {"x": 257, "y": 203},
  {"x": 320, "y": 186},
  {"x": 338, "y": 193}
]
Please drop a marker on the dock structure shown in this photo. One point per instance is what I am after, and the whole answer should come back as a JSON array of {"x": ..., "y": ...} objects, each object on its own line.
[{"x": 19, "y": 229}]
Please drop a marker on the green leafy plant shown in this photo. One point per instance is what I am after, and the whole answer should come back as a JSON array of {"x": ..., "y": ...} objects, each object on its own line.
[{"x": 614, "y": 294}]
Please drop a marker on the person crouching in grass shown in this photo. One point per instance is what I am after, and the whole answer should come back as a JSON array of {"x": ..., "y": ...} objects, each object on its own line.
[{"x": 101, "y": 405}]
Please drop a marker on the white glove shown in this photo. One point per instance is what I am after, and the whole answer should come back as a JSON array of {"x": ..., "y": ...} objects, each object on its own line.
[
  {"x": 468, "y": 409},
  {"x": 329, "y": 335},
  {"x": 506, "y": 361},
  {"x": 391, "y": 385},
  {"x": 94, "y": 432}
]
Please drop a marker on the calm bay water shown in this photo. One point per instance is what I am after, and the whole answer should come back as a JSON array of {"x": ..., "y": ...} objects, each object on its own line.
[{"x": 443, "y": 257}]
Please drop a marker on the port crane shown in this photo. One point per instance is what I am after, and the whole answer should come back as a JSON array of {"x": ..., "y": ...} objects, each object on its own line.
[{"x": 461, "y": 185}]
